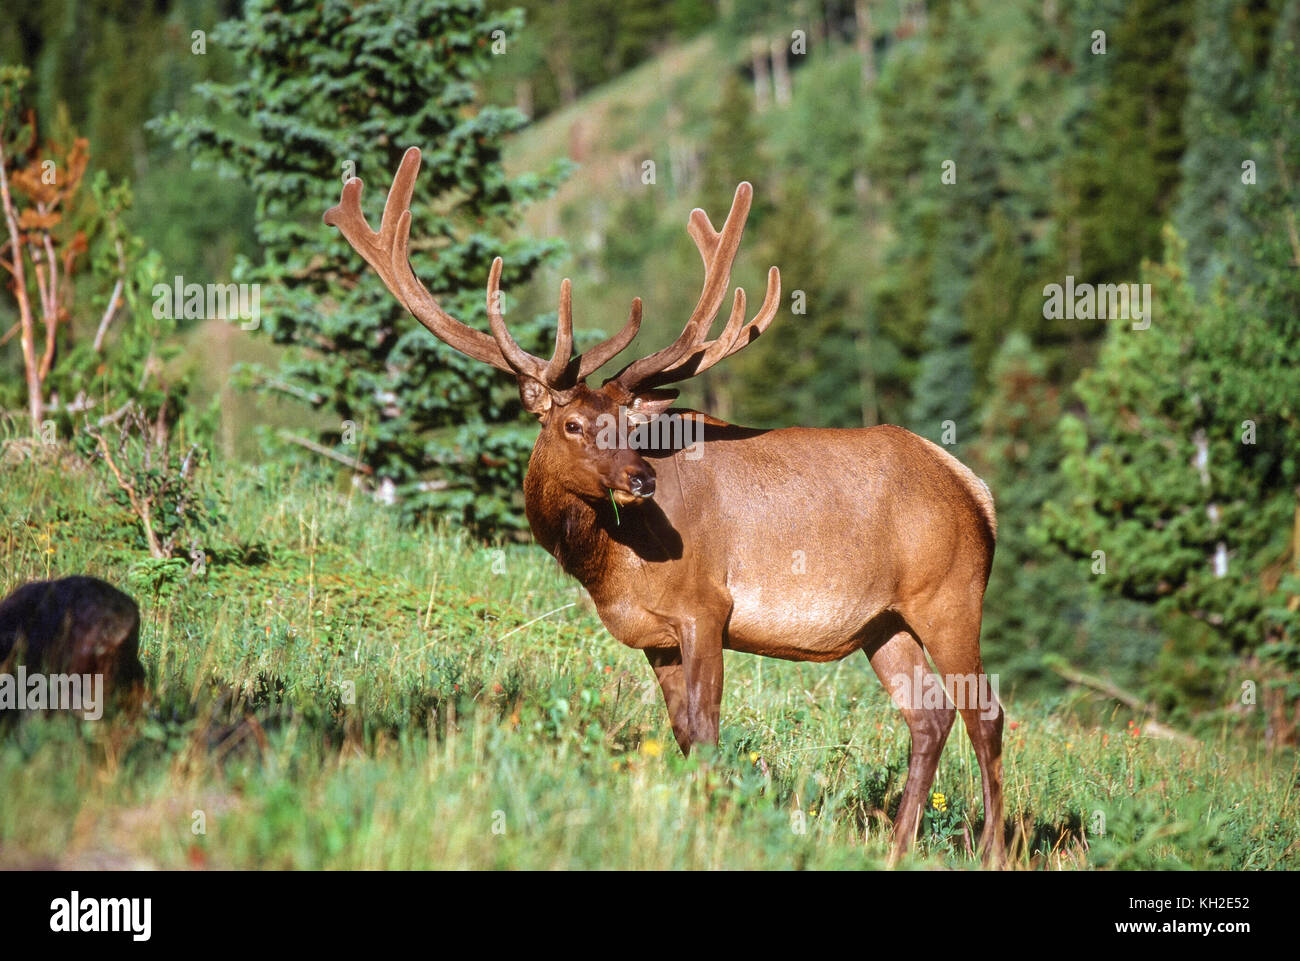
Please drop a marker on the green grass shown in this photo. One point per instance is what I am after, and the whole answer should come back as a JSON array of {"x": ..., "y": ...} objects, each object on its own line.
[{"x": 496, "y": 724}]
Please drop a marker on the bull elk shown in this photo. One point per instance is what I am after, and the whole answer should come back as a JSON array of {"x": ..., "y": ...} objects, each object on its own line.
[{"x": 686, "y": 556}]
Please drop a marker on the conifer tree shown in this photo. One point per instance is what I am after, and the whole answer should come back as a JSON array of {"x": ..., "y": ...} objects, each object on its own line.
[
  {"x": 335, "y": 89},
  {"x": 959, "y": 183},
  {"x": 1210, "y": 214},
  {"x": 1183, "y": 474}
]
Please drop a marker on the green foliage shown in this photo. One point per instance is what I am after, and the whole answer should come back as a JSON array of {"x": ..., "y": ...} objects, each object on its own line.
[
  {"x": 1038, "y": 600},
  {"x": 943, "y": 148},
  {"x": 819, "y": 346},
  {"x": 111, "y": 349},
  {"x": 335, "y": 84},
  {"x": 1268, "y": 289},
  {"x": 1184, "y": 472},
  {"x": 112, "y": 64},
  {"x": 137, "y": 361},
  {"x": 946, "y": 825},
  {"x": 1185, "y": 469},
  {"x": 1144, "y": 833},
  {"x": 568, "y": 47},
  {"x": 805, "y": 346},
  {"x": 155, "y": 476},
  {"x": 1210, "y": 212},
  {"x": 481, "y": 687},
  {"x": 1123, "y": 175}
]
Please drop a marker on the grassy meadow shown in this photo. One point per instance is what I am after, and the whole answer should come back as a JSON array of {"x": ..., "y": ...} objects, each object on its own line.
[{"x": 332, "y": 690}]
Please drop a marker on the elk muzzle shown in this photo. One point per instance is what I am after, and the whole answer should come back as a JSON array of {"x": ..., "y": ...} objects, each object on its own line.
[{"x": 636, "y": 482}]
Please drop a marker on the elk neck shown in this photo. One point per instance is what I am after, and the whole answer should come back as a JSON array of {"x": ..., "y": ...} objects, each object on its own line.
[
  {"x": 603, "y": 552},
  {"x": 569, "y": 527}
]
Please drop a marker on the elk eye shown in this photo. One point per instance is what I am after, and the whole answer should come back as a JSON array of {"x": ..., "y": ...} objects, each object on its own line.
[{"x": 573, "y": 427}]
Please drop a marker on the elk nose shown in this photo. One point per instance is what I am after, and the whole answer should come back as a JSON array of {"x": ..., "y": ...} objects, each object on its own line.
[{"x": 640, "y": 482}]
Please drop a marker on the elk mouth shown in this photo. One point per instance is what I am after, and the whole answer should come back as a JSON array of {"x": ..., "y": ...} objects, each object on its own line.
[
  {"x": 636, "y": 486},
  {"x": 627, "y": 498}
]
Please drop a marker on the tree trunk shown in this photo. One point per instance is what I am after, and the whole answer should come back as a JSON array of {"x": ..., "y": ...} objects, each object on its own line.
[
  {"x": 31, "y": 366},
  {"x": 866, "y": 42},
  {"x": 758, "y": 51},
  {"x": 781, "y": 72},
  {"x": 524, "y": 98}
]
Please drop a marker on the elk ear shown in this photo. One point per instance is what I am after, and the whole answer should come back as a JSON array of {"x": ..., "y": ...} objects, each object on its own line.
[
  {"x": 535, "y": 396},
  {"x": 652, "y": 403}
]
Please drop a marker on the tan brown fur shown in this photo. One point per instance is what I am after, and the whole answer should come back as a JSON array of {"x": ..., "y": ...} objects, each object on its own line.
[{"x": 798, "y": 543}]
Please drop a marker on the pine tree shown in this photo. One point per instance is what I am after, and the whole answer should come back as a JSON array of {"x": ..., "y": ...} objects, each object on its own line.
[
  {"x": 1183, "y": 473},
  {"x": 1269, "y": 290},
  {"x": 1210, "y": 210},
  {"x": 807, "y": 351},
  {"x": 959, "y": 181},
  {"x": 336, "y": 88},
  {"x": 1026, "y": 611},
  {"x": 1184, "y": 468},
  {"x": 1121, "y": 179}
]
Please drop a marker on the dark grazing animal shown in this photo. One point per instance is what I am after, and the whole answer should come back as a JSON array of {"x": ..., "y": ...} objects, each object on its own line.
[
  {"x": 73, "y": 625},
  {"x": 797, "y": 543}
]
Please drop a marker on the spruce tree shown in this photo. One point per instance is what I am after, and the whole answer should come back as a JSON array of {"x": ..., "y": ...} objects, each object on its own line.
[
  {"x": 959, "y": 184},
  {"x": 1026, "y": 612},
  {"x": 1210, "y": 213},
  {"x": 1120, "y": 179},
  {"x": 332, "y": 89},
  {"x": 1180, "y": 480}
]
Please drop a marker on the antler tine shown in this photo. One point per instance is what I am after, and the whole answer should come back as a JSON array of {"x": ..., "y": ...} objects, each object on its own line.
[
  {"x": 596, "y": 358},
  {"x": 709, "y": 353},
  {"x": 706, "y": 238},
  {"x": 719, "y": 251},
  {"x": 386, "y": 252},
  {"x": 375, "y": 247},
  {"x": 559, "y": 364},
  {"x": 564, "y": 370},
  {"x": 520, "y": 361},
  {"x": 733, "y": 338}
]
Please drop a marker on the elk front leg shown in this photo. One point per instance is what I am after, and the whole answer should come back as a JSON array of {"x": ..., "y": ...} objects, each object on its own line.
[
  {"x": 667, "y": 664},
  {"x": 702, "y": 673}
]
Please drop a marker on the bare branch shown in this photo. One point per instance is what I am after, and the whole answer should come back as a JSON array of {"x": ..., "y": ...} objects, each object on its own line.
[
  {"x": 316, "y": 448},
  {"x": 111, "y": 309},
  {"x": 35, "y": 399}
]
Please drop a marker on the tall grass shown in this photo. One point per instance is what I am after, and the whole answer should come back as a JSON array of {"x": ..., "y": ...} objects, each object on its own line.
[{"x": 330, "y": 690}]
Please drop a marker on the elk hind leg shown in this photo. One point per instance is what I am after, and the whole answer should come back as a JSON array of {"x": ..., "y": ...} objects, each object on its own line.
[
  {"x": 953, "y": 643},
  {"x": 899, "y": 662}
]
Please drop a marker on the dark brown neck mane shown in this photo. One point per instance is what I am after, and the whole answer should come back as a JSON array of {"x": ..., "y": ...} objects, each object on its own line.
[
  {"x": 591, "y": 541},
  {"x": 571, "y": 529}
]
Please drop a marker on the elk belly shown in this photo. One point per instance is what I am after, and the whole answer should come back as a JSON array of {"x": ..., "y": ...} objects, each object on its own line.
[{"x": 827, "y": 628}]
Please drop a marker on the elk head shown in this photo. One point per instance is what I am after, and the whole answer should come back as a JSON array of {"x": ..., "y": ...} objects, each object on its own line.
[{"x": 572, "y": 415}]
